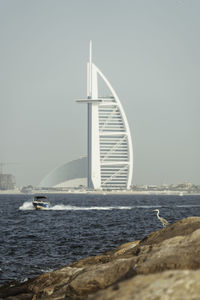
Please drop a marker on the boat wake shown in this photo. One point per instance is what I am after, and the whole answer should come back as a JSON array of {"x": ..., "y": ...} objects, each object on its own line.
[
  {"x": 29, "y": 206},
  {"x": 71, "y": 207}
]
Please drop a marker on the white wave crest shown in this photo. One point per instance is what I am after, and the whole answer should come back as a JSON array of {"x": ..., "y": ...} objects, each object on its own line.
[
  {"x": 29, "y": 206},
  {"x": 71, "y": 207},
  {"x": 190, "y": 205},
  {"x": 26, "y": 206},
  {"x": 46, "y": 270}
]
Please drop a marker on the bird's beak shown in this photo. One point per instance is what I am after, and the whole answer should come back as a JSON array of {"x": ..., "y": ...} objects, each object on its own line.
[{"x": 154, "y": 210}]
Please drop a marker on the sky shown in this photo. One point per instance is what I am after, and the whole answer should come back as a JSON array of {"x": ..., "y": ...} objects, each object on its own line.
[{"x": 148, "y": 49}]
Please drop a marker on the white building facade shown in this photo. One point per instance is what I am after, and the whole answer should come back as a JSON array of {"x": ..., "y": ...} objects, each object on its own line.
[
  {"x": 69, "y": 175},
  {"x": 110, "y": 151}
]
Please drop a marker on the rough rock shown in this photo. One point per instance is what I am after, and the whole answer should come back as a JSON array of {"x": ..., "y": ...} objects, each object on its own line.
[
  {"x": 135, "y": 270},
  {"x": 169, "y": 285}
]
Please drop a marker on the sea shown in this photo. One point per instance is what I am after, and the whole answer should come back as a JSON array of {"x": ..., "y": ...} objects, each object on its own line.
[{"x": 77, "y": 226}]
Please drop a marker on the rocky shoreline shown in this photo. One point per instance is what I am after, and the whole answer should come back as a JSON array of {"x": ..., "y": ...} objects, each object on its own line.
[{"x": 164, "y": 265}]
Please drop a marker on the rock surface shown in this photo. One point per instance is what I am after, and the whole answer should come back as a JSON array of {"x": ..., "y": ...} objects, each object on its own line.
[
  {"x": 170, "y": 285},
  {"x": 164, "y": 265}
]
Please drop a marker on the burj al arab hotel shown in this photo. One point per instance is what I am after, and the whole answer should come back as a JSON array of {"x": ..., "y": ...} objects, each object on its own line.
[
  {"x": 109, "y": 161},
  {"x": 110, "y": 151}
]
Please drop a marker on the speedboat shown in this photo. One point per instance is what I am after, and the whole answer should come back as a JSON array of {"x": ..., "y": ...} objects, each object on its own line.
[{"x": 41, "y": 202}]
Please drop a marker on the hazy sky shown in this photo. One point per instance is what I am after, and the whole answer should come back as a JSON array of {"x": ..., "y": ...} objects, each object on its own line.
[{"x": 148, "y": 49}]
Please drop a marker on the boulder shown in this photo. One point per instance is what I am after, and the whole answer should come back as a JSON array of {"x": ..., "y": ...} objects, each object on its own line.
[{"x": 168, "y": 285}]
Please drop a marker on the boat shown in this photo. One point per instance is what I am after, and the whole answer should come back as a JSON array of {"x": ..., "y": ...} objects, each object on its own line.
[{"x": 41, "y": 202}]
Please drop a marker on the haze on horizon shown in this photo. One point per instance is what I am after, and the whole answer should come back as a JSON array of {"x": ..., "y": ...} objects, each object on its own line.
[{"x": 149, "y": 51}]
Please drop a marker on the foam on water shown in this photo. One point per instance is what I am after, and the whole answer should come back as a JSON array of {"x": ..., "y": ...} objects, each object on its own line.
[
  {"x": 26, "y": 206},
  {"x": 71, "y": 207},
  {"x": 197, "y": 205},
  {"x": 29, "y": 206},
  {"x": 46, "y": 270}
]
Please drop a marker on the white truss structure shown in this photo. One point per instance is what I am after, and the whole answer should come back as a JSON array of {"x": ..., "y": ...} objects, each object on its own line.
[{"x": 110, "y": 152}]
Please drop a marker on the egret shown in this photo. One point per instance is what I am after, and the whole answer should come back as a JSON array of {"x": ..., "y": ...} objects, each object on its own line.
[{"x": 162, "y": 220}]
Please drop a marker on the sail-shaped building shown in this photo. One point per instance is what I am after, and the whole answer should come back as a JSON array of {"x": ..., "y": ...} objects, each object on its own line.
[{"x": 110, "y": 151}]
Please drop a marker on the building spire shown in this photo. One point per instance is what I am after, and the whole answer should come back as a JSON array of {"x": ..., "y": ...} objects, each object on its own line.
[
  {"x": 90, "y": 58},
  {"x": 90, "y": 70}
]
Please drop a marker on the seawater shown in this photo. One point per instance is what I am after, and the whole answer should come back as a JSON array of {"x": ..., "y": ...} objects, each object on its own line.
[{"x": 76, "y": 226}]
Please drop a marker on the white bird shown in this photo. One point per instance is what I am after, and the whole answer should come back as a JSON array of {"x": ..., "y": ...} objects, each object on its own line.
[{"x": 162, "y": 220}]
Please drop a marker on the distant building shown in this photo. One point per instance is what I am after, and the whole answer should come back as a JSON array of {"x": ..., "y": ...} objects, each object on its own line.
[
  {"x": 71, "y": 174},
  {"x": 7, "y": 182},
  {"x": 27, "y": 189},
  {"x": 110, "y": 151}
]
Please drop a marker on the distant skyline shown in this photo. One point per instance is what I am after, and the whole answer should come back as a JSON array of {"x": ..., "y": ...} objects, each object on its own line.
[{"x": 149, "y": 51}]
